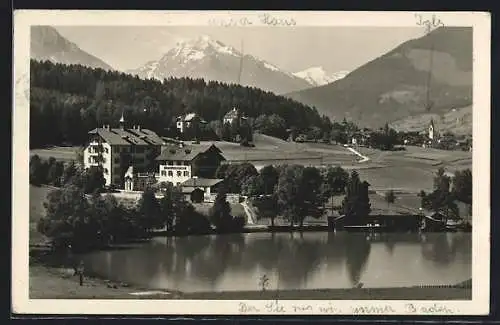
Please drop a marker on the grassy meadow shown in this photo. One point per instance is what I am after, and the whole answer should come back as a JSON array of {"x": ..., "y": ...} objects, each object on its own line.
[{"x": 59, "y": 153}]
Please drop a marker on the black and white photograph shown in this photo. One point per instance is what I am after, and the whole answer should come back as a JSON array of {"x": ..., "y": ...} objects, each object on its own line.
[{"x": 251, "y": 162}]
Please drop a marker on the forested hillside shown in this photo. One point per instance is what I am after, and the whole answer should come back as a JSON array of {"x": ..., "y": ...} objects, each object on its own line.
[{"x": 66, "y": 101}]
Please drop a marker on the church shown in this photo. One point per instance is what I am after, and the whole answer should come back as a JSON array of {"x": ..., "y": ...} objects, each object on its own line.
[{"x": 431, "y": 131}]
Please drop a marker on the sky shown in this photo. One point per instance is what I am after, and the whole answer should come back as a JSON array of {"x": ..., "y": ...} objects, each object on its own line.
[{"x": 290, "y": 48}]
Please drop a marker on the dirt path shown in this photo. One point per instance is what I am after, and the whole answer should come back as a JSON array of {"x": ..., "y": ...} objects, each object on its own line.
[
  {"x": 363, "y": 158},
  {"x": 250, "y": 217}
]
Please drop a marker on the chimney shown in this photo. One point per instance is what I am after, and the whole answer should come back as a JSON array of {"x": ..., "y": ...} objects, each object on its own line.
[
  {"x": 138, "y": 127},
  {"x": 181, "y": 144}
]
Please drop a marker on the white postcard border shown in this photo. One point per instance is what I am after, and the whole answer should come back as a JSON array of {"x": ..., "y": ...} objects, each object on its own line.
[{"x": 23, "y": 19}]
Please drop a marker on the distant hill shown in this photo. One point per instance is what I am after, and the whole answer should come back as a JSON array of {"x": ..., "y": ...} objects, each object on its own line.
[
  {"x": 394, "y": 86},
  {"x": 48, "y": 44},
  {"x": 210, "y": 59}
]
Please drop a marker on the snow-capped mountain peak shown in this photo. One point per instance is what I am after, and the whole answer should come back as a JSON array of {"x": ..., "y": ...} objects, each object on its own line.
[
  {"x": 317, "y": 76},
  {"x": 210, "y": 59},
  {"x": 200, "y": 47}
]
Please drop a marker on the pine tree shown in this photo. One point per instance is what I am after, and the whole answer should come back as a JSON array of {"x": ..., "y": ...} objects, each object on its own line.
[
  {"x": 69, "y": 172},
  {"x": 356, "y": 203},
  {"x": 390, "y": 197},
  {"x": 36, "y": 172},
  {"x": 220, "y": 214},
  {"x": 149, "y": 210},
  {"x": 167, "y": 206}
]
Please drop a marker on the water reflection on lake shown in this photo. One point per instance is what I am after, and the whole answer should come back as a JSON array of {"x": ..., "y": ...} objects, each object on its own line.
[{"x": 290, "y": 261}]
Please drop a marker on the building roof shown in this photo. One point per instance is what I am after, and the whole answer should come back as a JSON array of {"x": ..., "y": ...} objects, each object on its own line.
[
  {"x": 187, "y": 153},
  {"x": 189, "y": 189},
  {"x": 172, "y": 140},
  {"x": 201, "y": 182},
  {"x": 127, "y": 137},
  {"x": 189, "y": 117},
  {"x": 232, "y": 113}
]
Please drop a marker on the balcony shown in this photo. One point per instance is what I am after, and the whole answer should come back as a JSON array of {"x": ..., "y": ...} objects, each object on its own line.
[{"x": 95, "y": 160}]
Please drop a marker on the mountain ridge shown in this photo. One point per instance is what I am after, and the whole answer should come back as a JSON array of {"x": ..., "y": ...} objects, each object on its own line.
[
  {"x": 212, "y": 60},
  {"x": 48, "y": 44},
  {"x": 394, "y": 85}
]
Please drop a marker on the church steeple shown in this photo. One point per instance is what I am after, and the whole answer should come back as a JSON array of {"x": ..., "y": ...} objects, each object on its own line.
[
  {"x": 431, "y": 130},
  {"x": 122, "y": 122}
]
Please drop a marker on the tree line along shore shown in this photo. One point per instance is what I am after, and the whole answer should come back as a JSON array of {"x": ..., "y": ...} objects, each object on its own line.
[{"x": 80, "y": 214}]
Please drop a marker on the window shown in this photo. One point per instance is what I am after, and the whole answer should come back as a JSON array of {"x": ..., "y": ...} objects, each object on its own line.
[
  {"x": 105, "y": 170},
  {"x": 170, "y": 173},
  {"x": 186, "y": 174},
  {"x": 179, "y": 173},
  {"x": 117, "y": 160},
  {"x": 106, "y": 150},
  {"x": 163, "y": 173},
  {"x": 90, "y": 159},
  {"x": 116, "y": 150},
  {"x": 170, "y": 163}
]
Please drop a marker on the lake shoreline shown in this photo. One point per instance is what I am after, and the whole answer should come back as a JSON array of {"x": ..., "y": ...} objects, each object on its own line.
[{"x": 46, "y": 282}]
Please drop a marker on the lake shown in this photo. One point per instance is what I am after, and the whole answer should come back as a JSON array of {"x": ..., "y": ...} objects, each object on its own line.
[{"x": 310, "y": 260}]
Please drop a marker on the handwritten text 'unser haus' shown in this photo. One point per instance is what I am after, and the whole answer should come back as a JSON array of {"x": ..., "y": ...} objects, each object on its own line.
[{"x": 265, "y": 19}]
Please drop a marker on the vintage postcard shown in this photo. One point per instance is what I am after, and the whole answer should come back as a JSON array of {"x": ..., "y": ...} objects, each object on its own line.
[{"x": 248, "y": 162}]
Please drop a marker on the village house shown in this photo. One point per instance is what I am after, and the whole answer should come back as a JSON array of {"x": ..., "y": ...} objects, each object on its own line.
[
  {"x": 177, "y": 164},
  {"x": 116, "y": 149},
  {"x": 233, "y": 115},
  {"x": 184, "y": 122},
  {"x": 199, "y": 190},
  {"x": 360, "y": 138},
  {"x": 138, "y": 181}
]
